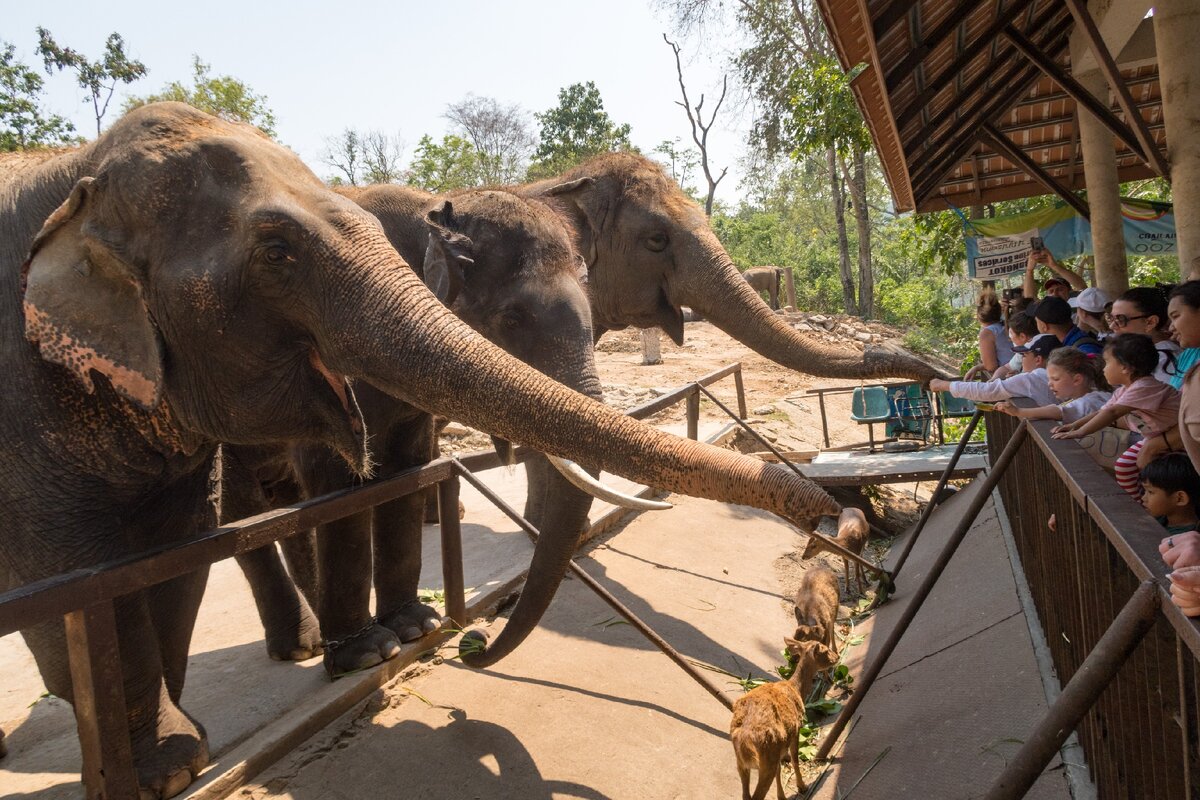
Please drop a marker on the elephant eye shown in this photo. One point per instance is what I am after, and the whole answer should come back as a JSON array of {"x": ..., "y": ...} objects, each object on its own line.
[
  {"x": 277, "y": 255},
  {"x": 657, "y": 242}
]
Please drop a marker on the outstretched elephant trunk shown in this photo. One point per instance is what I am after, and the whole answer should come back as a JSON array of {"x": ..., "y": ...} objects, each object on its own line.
[
  {"x": 431, "y": 359},
  {"x": 709, "y": 283}
]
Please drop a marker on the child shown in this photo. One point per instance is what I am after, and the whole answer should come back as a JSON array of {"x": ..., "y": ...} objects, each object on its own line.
[
  {"x": 1172, "y": 489},
  {"x": 1032, "y": 382},
  {"x": 1021, "y": 328},
  {"x": 1150, "y": 407},
  {"x": 1071, "y": 374}
]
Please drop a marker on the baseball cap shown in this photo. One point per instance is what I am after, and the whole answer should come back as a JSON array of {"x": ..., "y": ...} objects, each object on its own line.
[
  {"x": 1040, "y": 345},
  {"x": 1055, "y": 282},
  {"x": 1052, "y": 311},
  {"x": 1093, "y": 300}
]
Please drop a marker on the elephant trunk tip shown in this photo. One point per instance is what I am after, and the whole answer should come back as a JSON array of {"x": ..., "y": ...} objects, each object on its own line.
[{"x": 474, "y": 652}]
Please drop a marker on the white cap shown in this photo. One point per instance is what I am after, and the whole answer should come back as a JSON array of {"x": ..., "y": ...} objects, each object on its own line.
[{"x": 1093, "y": 300}]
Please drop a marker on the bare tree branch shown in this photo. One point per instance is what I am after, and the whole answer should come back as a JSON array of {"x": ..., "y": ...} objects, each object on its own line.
[{"x": 699, "y": 129}]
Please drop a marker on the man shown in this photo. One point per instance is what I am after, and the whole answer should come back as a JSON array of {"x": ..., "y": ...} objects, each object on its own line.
[
  {"x": 1090, "y": 305},
  {"x": 1053, "y": 315},
  {"x": 1059, "y": 285}
]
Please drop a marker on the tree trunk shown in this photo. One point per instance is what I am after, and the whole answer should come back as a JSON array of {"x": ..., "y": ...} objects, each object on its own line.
[
  {"x": 866, "y": 275},
  {"x": 839, "y": 210}
]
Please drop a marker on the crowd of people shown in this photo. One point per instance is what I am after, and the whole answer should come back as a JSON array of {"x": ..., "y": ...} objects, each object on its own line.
[{"x": 1118, "y": 376}]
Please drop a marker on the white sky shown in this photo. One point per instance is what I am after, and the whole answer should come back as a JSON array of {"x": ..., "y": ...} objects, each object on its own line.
[{"x": 393, "y": 66}]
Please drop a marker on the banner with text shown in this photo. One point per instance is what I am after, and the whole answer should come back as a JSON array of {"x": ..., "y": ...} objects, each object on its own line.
[{"x": 999, "y": 246}]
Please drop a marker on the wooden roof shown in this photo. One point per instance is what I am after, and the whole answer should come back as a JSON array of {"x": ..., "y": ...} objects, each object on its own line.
[{"x": 939, "y": 71}]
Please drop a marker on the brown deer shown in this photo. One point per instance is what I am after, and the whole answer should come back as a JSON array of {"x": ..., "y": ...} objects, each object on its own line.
[
  {"x": 852, "y": 533},
  {"x": 817, "y": 606},
  {"x": 766, "y": 721}
]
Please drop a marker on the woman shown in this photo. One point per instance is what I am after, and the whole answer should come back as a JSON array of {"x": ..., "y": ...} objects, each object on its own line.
[
  {"x": 1181, "y": 552},
  {"x": 995, "y": 348},
  {"x": 1144, "y": 310}
]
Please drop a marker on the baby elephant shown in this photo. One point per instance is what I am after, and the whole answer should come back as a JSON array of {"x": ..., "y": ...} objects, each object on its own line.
[
  {"x": 766, "y": 721},
  {"x": 852, "y": 534},
  {"x": 816, "y": 607}
]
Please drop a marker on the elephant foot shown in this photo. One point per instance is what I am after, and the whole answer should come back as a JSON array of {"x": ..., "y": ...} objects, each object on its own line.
[
  {"x": 295, "y": 636},
  {"x": 371, "y": 646},
  {"x": 411, "y": 621},
  {"x": 170, "y": 757}
]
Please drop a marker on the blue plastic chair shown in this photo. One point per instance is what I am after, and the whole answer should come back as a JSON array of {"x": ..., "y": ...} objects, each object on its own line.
[
  {"x": 955, "y": 406},
  {"x": 870, "y": 404}
]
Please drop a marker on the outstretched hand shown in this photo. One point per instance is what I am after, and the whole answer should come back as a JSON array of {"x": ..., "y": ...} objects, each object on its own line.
[{"x": 1185, "y": 590}]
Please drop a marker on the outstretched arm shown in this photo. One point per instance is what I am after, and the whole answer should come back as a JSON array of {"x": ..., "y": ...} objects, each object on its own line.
[
  {"x": 1070, "y": 276},
  {"x": 1041, "y": 412},
  {"x": 1029, "y": 285},
  {"x": 1093, "y": 422}
]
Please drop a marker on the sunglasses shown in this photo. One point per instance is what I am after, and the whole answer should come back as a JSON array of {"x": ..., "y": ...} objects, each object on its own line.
[{"x": 1120, "y": 320}]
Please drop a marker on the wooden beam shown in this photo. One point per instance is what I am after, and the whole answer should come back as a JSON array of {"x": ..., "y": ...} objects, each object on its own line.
[
  {"x": 956, "y": 106},
  {"x": 1072, "y": 87},
  {"x": 1003, "y": 145},
  {"x": 968, "y": 54},
  {"x": 1108, "y": 66},
  {"x": 890, "y": 16},
  {"x": 928, "y": 44}
]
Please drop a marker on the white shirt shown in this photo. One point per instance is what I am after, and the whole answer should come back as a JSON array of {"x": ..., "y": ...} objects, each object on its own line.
[
  {"x": 1080, "y": 407},
  {"x": 1034, "y": 385}
]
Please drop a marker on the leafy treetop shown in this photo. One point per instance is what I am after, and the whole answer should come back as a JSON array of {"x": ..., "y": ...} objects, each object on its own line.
[
  {"x": 99, "y": 78},
  {"x": 221, "y": 95},
  {"x": 575, "y": 130},
  {"x": 23, "y": 124}
]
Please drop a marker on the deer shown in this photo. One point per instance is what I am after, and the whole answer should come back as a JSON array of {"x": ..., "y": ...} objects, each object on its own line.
[
  {"x": 852, "y": 533},
  {"x": 816, "y": 607}
]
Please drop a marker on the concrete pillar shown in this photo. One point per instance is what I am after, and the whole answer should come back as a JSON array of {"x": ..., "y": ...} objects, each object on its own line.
[
  {"x": 651, "y": 349},
  {"x": 1100, "y": 177},
  {"x": 1175, "y": 26}
]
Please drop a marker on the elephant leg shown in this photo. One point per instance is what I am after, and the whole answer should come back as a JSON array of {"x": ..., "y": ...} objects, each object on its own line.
[
  {"x": 174, "y": 606},
  {"x": 353, "y": 640},
  {"x": 397, "y": 537},
  {"x": 169, "y": 749}
]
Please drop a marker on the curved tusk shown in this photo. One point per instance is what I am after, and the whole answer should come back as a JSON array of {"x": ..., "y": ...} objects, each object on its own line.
[{"x": 586, "y": 483}]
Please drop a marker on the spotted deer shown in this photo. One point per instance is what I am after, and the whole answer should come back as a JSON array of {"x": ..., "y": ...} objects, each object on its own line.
[{"x": 766, "y": 723}]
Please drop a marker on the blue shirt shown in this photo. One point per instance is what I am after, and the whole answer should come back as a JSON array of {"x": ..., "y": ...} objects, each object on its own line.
[
  {"x": 1090, "y": 347},
  {"x": 1184, "y": 360}
]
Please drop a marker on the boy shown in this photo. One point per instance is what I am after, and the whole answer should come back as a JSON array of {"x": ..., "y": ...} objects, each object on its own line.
[
  {"x": 1032, "y": 382},
  {"x": 1172, "y": 489}
]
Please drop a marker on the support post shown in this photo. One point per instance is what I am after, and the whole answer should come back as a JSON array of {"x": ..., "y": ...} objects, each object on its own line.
[
  {"x": 740, "y": 386},
  {"x": 651, "y": 349},
  {"x": 864, "y": 683},
  {"x": 452, "y": 551},
  {"x": 789, "y": 286},
  {"x": 1175, "y": 26},
  {"x": 1079, "y": 695},
  {"x": 99, "y": 700},
  {"x": 693, "y": 414},
  {"x": 1001, "y": 144},
  {"x": 1100, "y": 177}
]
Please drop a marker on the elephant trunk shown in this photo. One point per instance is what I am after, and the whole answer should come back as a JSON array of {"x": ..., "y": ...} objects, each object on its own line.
[
  {"x": 713, "y": 287},
  {"x": 388, "y": 329}
]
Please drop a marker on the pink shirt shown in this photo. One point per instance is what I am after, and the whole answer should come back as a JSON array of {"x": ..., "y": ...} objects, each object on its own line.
[{"x": 1155, "y": 406}]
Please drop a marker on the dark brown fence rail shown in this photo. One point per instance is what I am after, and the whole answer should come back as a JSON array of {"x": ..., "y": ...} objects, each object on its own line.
[
  {"x": 1140, "y": 737},
  {"x": 84, "y": 597}
]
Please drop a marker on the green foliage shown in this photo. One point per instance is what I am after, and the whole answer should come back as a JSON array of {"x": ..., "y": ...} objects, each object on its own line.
[
  {"x": 575, "y": 130},
  {"x": 221, "y": 95},
  {"x": 99, "y": 78},
  {"x": 452, "y": 164},
  {"x": 823, "y": 112},
  {"x": 23, "y": 123}
]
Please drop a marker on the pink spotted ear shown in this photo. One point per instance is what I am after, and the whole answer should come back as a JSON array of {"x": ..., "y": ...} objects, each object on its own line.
[{"x": 84, "y": 307}]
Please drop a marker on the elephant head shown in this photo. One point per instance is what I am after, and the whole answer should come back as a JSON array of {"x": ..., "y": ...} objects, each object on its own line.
[
  {"x": 650, "y": 251},
  {"x": 227, "y": 295}
]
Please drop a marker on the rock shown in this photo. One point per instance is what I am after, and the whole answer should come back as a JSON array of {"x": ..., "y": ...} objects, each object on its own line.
[
  {"x": 818, "y": 319},
  {"x": 803, "y": 326},
  {"x": 763, "y": 411},
  {"x": 863, "y": 336}
]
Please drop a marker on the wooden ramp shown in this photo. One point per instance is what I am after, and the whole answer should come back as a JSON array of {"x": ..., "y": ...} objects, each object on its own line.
[{"x": 858, "y": 468}]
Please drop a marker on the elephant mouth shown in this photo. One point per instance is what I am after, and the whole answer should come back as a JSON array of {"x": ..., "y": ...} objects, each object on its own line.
[{"x": 340, "y": 386}]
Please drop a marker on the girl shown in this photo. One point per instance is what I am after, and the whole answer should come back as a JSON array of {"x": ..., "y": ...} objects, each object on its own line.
[
  {"x": 1071, "y": 374},
  {"x": 1149, "y": 407},
  {"x": 1179, "y": 553},
  {"x": 1144, "y": 310},
  {"x": 994, "y": 346}
]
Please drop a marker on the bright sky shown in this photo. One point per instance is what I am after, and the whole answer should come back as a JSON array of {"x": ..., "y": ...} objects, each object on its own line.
[{"x": 394, "y": 66}]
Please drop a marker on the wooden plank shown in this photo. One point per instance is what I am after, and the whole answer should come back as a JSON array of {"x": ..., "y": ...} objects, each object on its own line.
[
  {"x": 890, "y": 16},
  {"x": 99, "y": 701},
  {"x": 928, "y": 44},
  {"x": 1002, "y": 144}
]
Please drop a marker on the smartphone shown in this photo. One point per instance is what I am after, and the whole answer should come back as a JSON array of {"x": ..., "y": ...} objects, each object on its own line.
[{"x": 1036, "y": 244}]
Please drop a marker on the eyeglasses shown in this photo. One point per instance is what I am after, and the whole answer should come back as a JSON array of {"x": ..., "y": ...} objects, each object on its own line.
[{"x": 1120, "y": 320}]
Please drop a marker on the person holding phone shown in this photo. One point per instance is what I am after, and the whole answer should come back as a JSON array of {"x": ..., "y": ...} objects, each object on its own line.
[{"x": 1061, "y": 284}]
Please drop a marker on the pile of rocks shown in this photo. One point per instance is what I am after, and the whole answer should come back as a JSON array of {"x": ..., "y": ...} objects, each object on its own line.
[{"x": 854, "y": 330}]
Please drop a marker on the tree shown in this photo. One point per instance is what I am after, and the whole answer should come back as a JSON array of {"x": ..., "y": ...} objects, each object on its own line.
[
  {"x": 99, "y": 78},
  {"x": 681, "y": 162},
  {"x": 500, "y": 135},
  {"x": 222, "y": 96},
  {"x": 23, "y": 124},
  {"x": 575, "y": 130},
  {"x": 699, "y": 129},
  {"x": 344, "y": 153},
  {"x": 381, "y": 156},
  {"x": 453, "y": 164}
]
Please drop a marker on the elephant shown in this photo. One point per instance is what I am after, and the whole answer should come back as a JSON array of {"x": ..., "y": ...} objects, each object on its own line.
[
  {"x": 184, "y": 282},
  {"x": 765, "y": 279},
  {"x": 507, "y": 267},
  {"x": 650, "y": 251}
]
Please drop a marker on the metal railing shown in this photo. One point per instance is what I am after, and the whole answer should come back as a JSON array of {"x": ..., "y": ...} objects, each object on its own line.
[
  {"x": 1126, "y": 655},
  {"x": 84, "y": 597}
]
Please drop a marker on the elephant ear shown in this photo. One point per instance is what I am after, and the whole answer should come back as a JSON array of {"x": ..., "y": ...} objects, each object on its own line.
[
  {"x": 447, "y": 255},
  {"x": 84, "y": 307},
  {"x": 590, "y": 205}
]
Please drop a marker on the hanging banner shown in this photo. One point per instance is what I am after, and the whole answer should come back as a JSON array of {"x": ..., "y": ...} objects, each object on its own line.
[{"x": 999, "y": 246}]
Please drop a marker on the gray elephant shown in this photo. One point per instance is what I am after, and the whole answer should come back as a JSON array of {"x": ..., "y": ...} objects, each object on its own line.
[
  {"x": 183, "y": 282},
  {"x": 650, "y": 251},
  {"x": 506, "y": 266},
  {"x": 765, "y": 279}
]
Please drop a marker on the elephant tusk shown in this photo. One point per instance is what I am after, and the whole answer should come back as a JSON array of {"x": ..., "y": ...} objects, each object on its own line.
[{"x": 586, "y": 483}]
